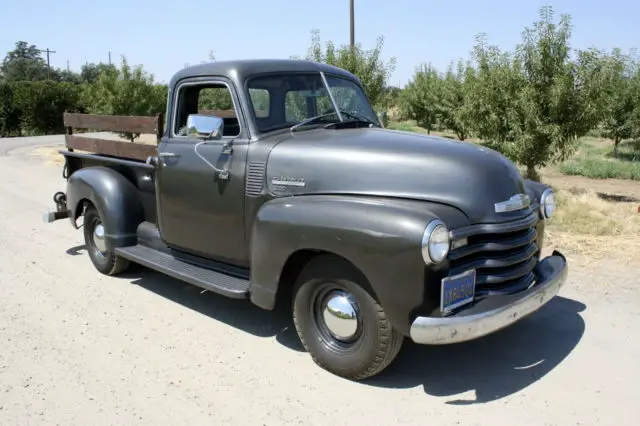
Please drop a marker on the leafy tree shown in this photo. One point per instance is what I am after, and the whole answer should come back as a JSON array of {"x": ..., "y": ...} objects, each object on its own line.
[
  {"x": 391, "y": 96},
  {"x": 622, "y": 105},
  {"x": 455, "y": 111},
  {"x": 215, "y": 98},
  {"x": 67, "y": 76},
  {"x": 421, "y": 98},
  {"x": 534, "y": 105},
  {"x": 9, "y": 115},
  {"x": 635, "y": 117},
  {"x": 367, "y": 65},
  {"x": 41, "y": 104},
  {"x": 90, "y": 72},
  {"x": 24, "y": 63},
  {"x": 493, "y": 96},
  {"x": 125, "y": 91}
]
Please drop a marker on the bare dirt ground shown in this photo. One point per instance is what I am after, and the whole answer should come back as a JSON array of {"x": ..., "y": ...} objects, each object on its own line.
[
  {"x": 77, "y": 347},
  {"x": 627, "y": 190}
]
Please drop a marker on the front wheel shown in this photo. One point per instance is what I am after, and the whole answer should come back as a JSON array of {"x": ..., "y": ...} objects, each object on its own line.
[
  {"x": 341, "y": 325},
  {"x": 104, "y": 259}
]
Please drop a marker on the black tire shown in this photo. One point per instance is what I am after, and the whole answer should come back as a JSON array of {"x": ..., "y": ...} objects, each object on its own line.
[
  {"x": 105, "y": 261},
  {"x": 374, "y": 345}
]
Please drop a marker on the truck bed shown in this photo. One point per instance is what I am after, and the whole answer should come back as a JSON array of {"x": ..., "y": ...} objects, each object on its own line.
[
  {"x": 140, "y": 174},
  {"x": 127, "y": 158}
]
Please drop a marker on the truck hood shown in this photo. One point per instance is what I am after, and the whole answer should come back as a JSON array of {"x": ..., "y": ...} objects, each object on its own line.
[{"x": 386, "y": 163}]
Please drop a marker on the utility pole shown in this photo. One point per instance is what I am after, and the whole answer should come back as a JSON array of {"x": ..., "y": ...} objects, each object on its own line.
[
  {"x": 48, "y": 62},
  {"x": 67, "y": 65},
  {"x": 109, "y": 57},
  {"x": 352, "y": 29}
]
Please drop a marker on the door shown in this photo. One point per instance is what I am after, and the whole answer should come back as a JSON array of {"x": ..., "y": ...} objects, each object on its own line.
[{"x": 199, "y": 212}]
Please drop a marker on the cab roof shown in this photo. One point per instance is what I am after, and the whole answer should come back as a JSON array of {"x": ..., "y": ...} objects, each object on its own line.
[{"x": 240, "y": 70}]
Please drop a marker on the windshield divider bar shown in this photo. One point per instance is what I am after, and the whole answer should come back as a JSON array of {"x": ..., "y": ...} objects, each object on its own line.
[{"x": 333, "y": 101}]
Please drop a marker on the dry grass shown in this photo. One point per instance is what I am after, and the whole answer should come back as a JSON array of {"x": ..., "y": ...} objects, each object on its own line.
[{"x": 587, "y": 224}]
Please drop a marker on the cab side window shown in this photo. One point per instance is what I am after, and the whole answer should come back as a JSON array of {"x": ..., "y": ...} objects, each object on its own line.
[{"x": 207, "y": 99}]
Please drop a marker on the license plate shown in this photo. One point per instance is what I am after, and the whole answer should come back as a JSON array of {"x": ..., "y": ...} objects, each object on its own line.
[{"x": 457, "y": 290}]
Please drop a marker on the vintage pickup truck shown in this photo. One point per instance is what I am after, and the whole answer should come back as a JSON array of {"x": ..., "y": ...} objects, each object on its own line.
[{"x": 274, "y": 181}]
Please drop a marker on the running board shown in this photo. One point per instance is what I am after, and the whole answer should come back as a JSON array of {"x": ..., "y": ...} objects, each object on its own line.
[{"x": 227, "y": 285}]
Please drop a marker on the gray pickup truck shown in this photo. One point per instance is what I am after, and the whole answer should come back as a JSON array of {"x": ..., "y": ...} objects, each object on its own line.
[{"x": 295, "y": 195}]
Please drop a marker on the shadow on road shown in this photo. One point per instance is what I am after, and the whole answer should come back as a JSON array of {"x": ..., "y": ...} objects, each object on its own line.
[
  {"x": 77, "y": 250},
  {"x": 494, "y": 366},
  {"x": 241, "y": 314}
]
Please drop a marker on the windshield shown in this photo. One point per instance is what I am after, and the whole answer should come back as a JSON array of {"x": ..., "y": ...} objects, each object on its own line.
[{"x": 283, "y": 100}]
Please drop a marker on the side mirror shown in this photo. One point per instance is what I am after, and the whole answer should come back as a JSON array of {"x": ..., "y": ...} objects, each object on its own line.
[{"x": 208, "y": 127}]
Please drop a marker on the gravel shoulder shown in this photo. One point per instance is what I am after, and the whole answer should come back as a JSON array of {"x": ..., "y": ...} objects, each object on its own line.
[{"x": 77, "y": 347}]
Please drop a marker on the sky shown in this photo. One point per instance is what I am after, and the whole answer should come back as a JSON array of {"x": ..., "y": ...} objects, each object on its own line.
[{"x": 164, "y": 35}]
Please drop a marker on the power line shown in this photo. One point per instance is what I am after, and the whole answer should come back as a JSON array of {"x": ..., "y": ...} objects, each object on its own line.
[
  {"x": 351, "y": 7},
  {"x": 48, "y": 62}
]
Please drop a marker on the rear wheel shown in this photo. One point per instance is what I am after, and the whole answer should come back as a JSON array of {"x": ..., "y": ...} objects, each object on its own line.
[
  {"x": 105, "y": 260},
  {"x": 341, "y": 325}
]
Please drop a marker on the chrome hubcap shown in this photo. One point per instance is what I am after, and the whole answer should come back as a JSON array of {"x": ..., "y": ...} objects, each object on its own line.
[
  {"x": 98, "y": 238},
  {"x": 340, "y": 315}
]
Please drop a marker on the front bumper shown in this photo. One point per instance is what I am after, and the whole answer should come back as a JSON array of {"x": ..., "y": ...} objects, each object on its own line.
[{"x": 496, "y": 312}]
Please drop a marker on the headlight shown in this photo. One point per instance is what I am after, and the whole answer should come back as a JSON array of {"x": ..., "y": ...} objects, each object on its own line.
[
  {"x": 547, "y": 203},
  {"x": 435, "y": 242}
]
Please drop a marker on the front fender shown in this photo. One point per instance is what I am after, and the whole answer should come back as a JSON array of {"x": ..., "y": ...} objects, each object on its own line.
[
  {"x": 381, "y": 237},
  {"x": 114, "y": 196}
]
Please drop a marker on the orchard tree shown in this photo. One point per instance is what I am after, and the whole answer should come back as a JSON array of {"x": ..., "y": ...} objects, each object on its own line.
[
  {"x": 536, "y": 104},
  {"x": 493, "y": 97},
  {"x": 125, "y": 91},
  {"x": 367, "y": 65},
  {"x": 421, "y": 98},
  {"x": 622, "y": 105},
  {"x": 90, "y": 72},
  {"x": 455, "y": 110}
]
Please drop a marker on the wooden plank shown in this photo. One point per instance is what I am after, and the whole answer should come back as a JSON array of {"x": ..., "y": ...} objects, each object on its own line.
[
  {"x": 109, "y": 147},
  {"x": 113, "y": 123}
]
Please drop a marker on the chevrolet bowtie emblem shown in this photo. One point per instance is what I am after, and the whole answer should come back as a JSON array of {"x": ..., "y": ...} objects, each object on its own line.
[{"x": 517, "y": 202}]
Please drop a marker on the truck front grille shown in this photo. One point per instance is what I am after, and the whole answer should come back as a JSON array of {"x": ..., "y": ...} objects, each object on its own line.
[{"x": 503, "y": 255}]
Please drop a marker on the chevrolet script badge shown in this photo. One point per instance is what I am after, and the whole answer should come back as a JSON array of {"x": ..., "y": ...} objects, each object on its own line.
[{"x": 517, "y": 202}]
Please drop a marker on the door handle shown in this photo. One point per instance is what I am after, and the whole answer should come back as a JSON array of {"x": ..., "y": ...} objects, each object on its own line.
[{"x": 167, "y": 154}]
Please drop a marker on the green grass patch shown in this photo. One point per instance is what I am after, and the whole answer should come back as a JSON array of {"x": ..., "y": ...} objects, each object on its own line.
[
  {"x": 596, "y": 160},
  {"x": 405, "y": 126}
]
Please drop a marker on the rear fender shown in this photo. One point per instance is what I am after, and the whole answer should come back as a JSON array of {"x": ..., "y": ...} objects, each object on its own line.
[
  {"x": 114, "y": 196},
  {"x": 381, "y": 237}
]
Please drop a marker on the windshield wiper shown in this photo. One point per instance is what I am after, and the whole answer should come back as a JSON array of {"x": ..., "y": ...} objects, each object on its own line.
[
  {"x": 359, "y": 116},
  {"x": 310, "y": 120}
]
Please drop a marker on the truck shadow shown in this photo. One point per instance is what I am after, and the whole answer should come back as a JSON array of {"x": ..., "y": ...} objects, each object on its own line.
[
  {"x": 241, "y": 314},
  {"x": 492, "y": 367},
  {"x": 495, "y": 366}
]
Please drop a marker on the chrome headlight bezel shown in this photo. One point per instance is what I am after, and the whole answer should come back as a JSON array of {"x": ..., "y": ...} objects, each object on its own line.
[
  {"x": 547, "y": 203},
  {"x": 430, "y": 254}
]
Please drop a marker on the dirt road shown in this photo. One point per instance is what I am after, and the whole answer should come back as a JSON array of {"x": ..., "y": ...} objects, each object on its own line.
[{"x": 80, "y": 348}]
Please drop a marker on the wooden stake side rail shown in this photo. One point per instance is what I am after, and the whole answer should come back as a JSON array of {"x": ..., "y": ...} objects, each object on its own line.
[
  {"x": 135, "y": 151},
  {"x": 113, "y": 123}
]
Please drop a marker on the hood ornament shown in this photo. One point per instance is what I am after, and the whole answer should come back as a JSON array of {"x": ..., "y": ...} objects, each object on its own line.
[{"x": 517, "y": 202}]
